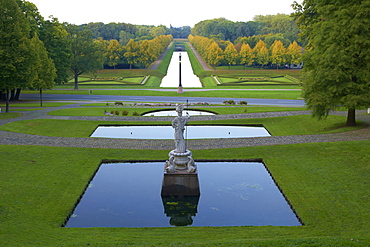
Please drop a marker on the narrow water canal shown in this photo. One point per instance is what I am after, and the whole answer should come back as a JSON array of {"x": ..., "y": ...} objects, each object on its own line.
[{"x": 187, "y": 74}]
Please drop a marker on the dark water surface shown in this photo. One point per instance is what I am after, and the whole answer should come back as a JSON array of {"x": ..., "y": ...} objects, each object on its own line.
[{"x": 232, "y": 194}]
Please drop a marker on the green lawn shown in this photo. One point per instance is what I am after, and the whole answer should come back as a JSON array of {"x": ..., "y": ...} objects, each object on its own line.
[
  {"x": 326, "y": 183},
  {"x": 281, "y": 94},
  {"x": 8, "y": 115},
  {"x": 99, "y": 111}
]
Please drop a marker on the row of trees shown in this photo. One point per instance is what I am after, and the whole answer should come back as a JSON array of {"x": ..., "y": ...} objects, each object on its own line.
[
  {"x": 138, "y": 53},
  {"x": 224, "y": 29},
  {"x": 244, "y": 54},
  {"x": 123, "y": 32}
]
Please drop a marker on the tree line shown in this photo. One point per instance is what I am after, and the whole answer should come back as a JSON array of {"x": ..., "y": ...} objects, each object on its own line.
[
  {"x": 219, "y": 52},
  {"x": 123, "y": 32},
  {"x": 281, "y": 25}
]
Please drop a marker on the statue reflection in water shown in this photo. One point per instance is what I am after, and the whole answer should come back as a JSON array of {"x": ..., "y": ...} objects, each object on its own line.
[
  {"x": 180, "y": 185},
  {"x": 180, "y": 209}
]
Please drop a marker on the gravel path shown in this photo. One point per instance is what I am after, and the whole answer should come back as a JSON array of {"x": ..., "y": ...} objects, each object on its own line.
[{"x": 11, "y": 138}]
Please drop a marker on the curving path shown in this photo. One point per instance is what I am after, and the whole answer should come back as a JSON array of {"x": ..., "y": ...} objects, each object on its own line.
[{"x": 11, "y": 138}]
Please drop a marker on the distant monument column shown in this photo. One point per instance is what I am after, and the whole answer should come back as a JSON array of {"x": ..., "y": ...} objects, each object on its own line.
[{"x": 179, "y": 89}]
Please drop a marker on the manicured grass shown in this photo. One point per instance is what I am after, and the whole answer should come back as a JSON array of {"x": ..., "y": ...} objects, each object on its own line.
[
  {"x": 326, "y": 183},
  {"x": 294, "y": 125},
  {"x": 8, "y": 115},
  {"x": 37, "y": 104},
  {"x": 217, "y": 93},
  {"x": 99, "y": 111}
]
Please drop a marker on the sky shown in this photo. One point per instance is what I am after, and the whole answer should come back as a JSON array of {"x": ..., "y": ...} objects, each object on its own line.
[{"x": 158, "y": 12}]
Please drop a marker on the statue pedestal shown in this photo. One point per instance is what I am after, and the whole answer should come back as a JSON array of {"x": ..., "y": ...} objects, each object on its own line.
[{"x": 180, "y": 184}]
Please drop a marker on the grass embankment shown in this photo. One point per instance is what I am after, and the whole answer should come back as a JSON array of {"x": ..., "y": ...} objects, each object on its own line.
[
  {"x": 294, "y": 125},
  {"x": 99, "y": 111},
  {"x": 326, "y": 183},
  {"x": 260, "y": 94}
]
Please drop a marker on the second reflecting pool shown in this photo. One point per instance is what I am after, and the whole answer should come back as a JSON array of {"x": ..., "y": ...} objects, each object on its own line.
[{"x": 191, "y": 132}]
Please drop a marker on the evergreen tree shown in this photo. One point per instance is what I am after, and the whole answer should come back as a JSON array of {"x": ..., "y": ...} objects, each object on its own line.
[{"x": 336, "y": 60}]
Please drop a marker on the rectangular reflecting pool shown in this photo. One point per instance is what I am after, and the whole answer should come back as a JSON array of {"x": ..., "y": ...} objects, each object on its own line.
[
  {"x": 167, "y": 132},
  {"x": 231, "y": 194}
]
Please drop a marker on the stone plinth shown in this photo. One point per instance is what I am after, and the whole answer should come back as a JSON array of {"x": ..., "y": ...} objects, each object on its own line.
[{"x": 180, "y": 184}]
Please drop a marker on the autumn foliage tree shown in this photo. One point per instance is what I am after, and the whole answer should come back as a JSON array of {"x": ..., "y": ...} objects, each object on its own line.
[
  {"x": 246, "y": 55},
  {"x": 231, "y": 55},
  {"x": 261, "y": 53},
  {"x": 278, "y": 53}
]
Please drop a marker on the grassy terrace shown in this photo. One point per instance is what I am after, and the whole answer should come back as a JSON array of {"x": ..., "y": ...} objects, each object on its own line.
[{"x": 327, "y": 184}]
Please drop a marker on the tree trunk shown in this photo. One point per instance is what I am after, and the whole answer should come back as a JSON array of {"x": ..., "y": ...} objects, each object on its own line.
[
  {"x": 351, "y": 117},
  {"x": 17, "y": 93},
  {"x": 40, "y": 97},
  {"x": 76, "y": 81},
  {"x": 7, "y": 101},
  {"x": 12, "y": 95}
]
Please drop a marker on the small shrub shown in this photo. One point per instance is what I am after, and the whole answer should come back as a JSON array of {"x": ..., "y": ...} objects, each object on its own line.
[
  {"x": 245, "y": 110},
  {"x": 135, "y": 114},
  {"x": 118, "y": 103},
  {"x": 243, "y": 102},
  {"x": 116, "y": 112},
  {"x": 229, "y": 102},
  {"x": 112, "y": 112},
  {"x": 124, "y": 113}
]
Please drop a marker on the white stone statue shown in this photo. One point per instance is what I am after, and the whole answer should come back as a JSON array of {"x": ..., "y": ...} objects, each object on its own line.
[
  {"x": 179, "y": 125},
  {"x": 180, "y": 159}
]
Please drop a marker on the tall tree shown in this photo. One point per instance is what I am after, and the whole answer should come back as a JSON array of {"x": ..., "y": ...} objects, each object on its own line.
[
  {"x": 16, "y": 56},
  {"x": 114, "y": 53},
  {"x": 231, "y": 55},
  {"x": 132, "y": 53},
  {"x": 294, "y": 53},
  {"x": 86, "y": 54},
  {"x": 214, "y": 54},
  {"x": 278, "y": 53},
  {"x": 55, "y": 38},
  {"x": 337, "y": 59},
  {"x": 45, "y": 72},
  {"x": 246, "y": 55},
  {"x": 262, "y": 53}
]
